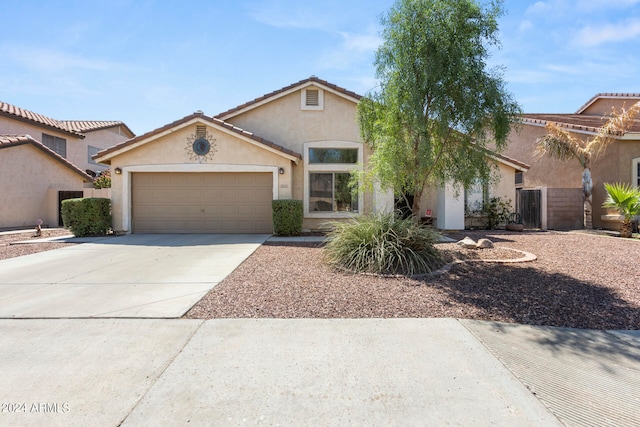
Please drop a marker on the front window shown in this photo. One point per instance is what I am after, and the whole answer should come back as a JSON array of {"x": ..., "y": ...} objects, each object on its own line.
[
  {"x": 333, "y": 156},
  {"x": 476, "y": 197},
  {"x": 330, "y": 192},
  {"x": 636, "y": 172},
  {"x": 329, "y": 168}
]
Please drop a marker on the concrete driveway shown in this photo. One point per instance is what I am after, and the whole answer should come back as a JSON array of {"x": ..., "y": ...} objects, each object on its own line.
[{"x": 152, "y": 276}]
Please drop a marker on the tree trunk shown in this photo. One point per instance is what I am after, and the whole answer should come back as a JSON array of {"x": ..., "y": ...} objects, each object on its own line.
[
  {"x": 626, "y": 229},
  {"x": 415, "y": 208},
  {"x": 587, "y": 197},
  {"x": 588, "y": 214}
]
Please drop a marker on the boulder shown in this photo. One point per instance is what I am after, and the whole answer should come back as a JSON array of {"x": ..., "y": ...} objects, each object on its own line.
[
  {"x": 484, "y": 244},
  {"x": 467, "y": 243}
]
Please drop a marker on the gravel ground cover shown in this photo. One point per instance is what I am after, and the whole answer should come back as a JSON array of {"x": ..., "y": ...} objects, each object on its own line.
[
  {"x": 579, "y": 280},
  {"x": 9, "y": 248}
]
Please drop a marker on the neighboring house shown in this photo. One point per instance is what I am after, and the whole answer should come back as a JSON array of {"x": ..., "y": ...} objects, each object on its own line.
[
  {"x": 550, "y": 193},
  {"x": 32, "y": 180},
  {"x": 220, "y": 174},
  {"x": 75, "y": 140},
  {"x": 44, "y": 161}
]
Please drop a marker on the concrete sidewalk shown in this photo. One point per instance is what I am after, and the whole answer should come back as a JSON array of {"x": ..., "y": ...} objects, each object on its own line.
[{"x": 133, "y": 372}]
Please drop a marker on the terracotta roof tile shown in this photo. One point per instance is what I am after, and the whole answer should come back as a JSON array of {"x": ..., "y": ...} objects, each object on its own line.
[
  {"x": 8, "y": 141},
  {"x": 607, "y": 95},
  {"x": 312, "y": 79},
  {"x": 22, "y": 114},
  {"x": 92, "y": 125},
  {"x": 73, "y": 127},
  {"x": 185, "y": 119},
  {"x": 578, "y": 122}
]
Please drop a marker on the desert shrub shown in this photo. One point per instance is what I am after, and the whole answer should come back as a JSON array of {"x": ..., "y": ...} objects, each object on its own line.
[
  {"x": 287, "y": 217},
  {"x": 103, "y": 180},
  {"x": 497, "y": 211},
  {"x": 382, "y": 244},
  {"x": 87, "y": 217}
]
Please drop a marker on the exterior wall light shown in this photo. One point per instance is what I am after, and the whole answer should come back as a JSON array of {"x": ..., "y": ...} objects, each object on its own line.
[
  {"x": 281, "y": 170},
  {"x": 118, "y": 171}
]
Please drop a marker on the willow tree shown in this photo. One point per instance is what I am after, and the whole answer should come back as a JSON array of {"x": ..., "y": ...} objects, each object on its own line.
[
  {"x": 563, "y": 145},
  {"x": 438, "y": 105}
]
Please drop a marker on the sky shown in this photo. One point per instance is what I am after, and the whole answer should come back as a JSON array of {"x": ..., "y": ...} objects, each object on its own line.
[{"x": 151, "y": 62}]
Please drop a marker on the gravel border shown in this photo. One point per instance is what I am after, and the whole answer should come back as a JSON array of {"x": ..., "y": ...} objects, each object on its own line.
[{"x": 578, "y": 280}]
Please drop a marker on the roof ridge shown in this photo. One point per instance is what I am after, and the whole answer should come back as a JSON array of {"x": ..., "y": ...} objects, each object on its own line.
[
  {"x": 24, "y": 114},
  {"x": 312, "y": 79},
  {"x": 606, "y": 95}
]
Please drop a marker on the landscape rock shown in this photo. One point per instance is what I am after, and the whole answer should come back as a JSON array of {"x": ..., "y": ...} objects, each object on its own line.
[
  {"x": 467, "y": 243},
  {"x": 484, "y": 244}
]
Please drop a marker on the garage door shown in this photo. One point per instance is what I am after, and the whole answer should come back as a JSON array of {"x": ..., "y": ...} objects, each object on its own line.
[{"x": 201, "y": 202}]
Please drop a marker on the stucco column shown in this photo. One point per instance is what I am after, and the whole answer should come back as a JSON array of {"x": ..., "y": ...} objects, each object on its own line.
[
  {"x": 450, "y": 208},
  {"x": 383, "y": 200}
]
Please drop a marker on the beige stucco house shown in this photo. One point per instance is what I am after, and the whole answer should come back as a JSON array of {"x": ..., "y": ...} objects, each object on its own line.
[
  {"x": 220, "y": 173},
  {"x": 31, "y": 179},
  {"x": 558, "y": 184},
  {"x": 44, "y": 161}
]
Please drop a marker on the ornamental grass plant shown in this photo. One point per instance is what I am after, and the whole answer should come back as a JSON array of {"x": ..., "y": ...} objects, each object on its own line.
[{"x": 382, "y": 244}]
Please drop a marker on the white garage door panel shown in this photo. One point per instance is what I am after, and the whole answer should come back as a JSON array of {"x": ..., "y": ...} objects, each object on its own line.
[{"x": 201, "y": 202}]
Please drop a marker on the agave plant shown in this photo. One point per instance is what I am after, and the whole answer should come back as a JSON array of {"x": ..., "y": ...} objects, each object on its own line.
[{"x": 626, "y": 200}]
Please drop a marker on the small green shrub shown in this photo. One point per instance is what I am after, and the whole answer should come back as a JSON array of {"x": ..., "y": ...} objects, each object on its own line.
[
  {"x": 287, "y": 217},
  {"x": 103, "y": 180},
  {"x": 87, "y": 217},
  {"x": 382, "y": 244}
]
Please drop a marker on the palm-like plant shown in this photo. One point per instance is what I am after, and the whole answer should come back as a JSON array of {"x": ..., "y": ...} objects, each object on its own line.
[
  {"x": 564, "y": 145},
  {"x": 626, "y": 200}
]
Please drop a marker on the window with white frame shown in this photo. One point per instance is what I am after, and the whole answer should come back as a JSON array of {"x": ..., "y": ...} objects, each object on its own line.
[
  {"x": 56, "y": 144},
  {"x": 636, "y": 171},
  {"x": 312, "y": 98},
  {"x": 328, "y": 178},
  {"x": 476, "y": 197}
]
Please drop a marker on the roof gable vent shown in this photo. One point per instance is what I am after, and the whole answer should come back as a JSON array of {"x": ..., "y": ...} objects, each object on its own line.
[{"x": 312, "y": 99}]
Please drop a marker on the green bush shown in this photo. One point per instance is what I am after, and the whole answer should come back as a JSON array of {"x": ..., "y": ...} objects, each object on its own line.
[
  {"x": 287, "y": 217},
  {"x": 87, "y": 217},
  {"x": 382, "y": 244},
  {"x": 498, "y": 212}
]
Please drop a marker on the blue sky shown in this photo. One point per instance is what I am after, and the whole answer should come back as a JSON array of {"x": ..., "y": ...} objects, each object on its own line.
[{"x": 150, "y": 62}]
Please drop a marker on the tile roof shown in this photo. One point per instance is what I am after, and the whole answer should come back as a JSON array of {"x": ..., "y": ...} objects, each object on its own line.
[
  {"x": 607, "y": 95},
  {"x": 8, "y": 141},
  {"x": 576, "y": 122},
  {"x": 22, "y": 114},
  {"x": 73, "y": 127},
  {"x": 188, "y": 118},
  {"x": 312, "y": 79},
  {"x": 92, "y": 125}
]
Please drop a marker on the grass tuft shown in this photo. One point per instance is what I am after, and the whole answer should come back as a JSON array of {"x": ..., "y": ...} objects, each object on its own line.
[{"x": 382, "y": 244}]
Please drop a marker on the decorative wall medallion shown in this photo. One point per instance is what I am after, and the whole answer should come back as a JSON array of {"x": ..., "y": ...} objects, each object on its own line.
[{"x": 201, "y": 147}]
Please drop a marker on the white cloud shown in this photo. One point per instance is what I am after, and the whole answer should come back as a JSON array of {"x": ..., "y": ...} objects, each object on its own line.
[
  {"x": 539, "y": 7},
  {"x": 354, "y": 49},
  {"x": 592, "y": 35},
  {"x": 525, "y": 25},
  {"x": 51, "y": 60},
  {"x": 283, "y": 15},
  {"x": 361, "y": 42}
]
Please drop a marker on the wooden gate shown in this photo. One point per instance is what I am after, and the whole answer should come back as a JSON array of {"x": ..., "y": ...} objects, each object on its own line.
[
  {"x": 530, "y": 208},
  {"x": 64, "y": 195}
]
